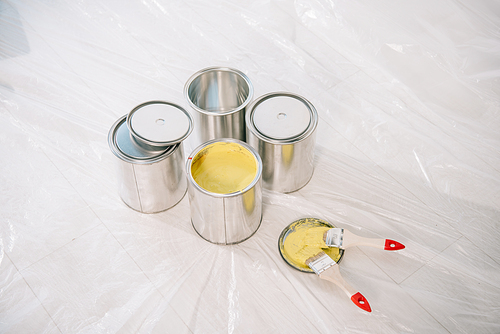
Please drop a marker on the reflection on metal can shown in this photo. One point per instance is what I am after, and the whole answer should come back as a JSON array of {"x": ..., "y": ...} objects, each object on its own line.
[
  {"x": 281, "y": 127},
  {"x": 148, "y": 144},
  {"x": 219, "y": 95}
]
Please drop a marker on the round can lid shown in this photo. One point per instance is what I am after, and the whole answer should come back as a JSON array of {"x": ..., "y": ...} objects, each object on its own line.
[
  {"x": 282, "y": 117},
  {"x": 159, "y": 123},
  {"x": 291, "y": 256},
  {"x": 124, "y": 142}
]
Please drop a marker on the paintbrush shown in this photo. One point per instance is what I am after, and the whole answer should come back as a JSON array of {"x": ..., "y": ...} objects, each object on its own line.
[
  {"x": 326, "y": 268},
  {"x": 342, "y": 238}
]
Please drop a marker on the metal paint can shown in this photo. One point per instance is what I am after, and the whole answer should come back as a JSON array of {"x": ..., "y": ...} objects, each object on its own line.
[
  {"x": 281, "y": 127},
  {"x": 220, "y": 214},
  {"x": 219, "y": 95},
  {"x": 148, "y": 144}
]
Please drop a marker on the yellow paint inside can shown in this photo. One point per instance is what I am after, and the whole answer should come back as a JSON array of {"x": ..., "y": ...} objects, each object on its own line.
[
  {"x": 298, "y": 246},
  {"x": 224, "y": 168}
]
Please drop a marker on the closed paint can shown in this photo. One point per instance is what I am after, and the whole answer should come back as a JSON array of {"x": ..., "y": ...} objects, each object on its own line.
[
  {"x": 219, "y": 96},
  {"x": 281, "y": 127},
  {"x": 148, "y": 145},
  {"x": 225, "y": 190}
]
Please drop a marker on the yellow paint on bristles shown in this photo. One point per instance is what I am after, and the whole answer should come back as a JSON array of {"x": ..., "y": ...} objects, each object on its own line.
[
  {"x": 224, "y": 168},
  {"x": 305, "y": 240}
]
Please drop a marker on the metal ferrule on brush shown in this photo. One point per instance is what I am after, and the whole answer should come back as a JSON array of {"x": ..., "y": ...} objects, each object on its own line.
[
  {"x": 321, "y": 264},
  {"x": 334, "y": 237}
]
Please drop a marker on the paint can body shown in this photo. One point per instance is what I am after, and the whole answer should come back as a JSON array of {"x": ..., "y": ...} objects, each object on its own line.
[
  {"x": 150, "y": 164},
  {"x": 219, "y": 96},
  {"x": 282, "y": 128},
  {"x": 225, "y": 217}
]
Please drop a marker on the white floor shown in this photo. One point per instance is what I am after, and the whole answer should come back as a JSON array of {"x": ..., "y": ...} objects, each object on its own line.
[{"x": 408, "y": 148}]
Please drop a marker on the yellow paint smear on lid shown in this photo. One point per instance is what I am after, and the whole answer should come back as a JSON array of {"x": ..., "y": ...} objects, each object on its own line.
[
  {"x": 224, "y": 168},
  {"x": 298, "y": 245}
]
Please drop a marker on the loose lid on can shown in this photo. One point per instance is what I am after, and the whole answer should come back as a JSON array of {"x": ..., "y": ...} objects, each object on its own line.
[
  {"x": 159, "y": 124},
  {"x": 282, "y": 117},
  {"x": 124, "y": 147}
]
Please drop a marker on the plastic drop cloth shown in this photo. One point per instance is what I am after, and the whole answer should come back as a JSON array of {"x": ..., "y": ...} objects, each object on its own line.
[{"x": 408, "y": 148}]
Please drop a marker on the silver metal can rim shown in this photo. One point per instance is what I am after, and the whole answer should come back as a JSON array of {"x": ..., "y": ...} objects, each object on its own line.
[
  {"x": 125, "y": 157},
  {"x": 281, "y": 241},
  {"x": 292, "y": 140},
  {"x": 224, "y": 140},
  {"x": 153, "y": 144},
  {"x": 218, "y": 113}
]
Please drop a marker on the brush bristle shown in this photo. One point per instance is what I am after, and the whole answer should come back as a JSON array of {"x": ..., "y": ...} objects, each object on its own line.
[{"x": 315, "y": 257}]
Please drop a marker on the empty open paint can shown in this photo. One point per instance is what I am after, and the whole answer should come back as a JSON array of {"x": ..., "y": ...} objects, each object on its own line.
[
  {"x": 281, "y": 127},
  {"x": 219, "y": 95},
  {"x": 225, "y": 190},
  {"x": 148, "y": 144}
]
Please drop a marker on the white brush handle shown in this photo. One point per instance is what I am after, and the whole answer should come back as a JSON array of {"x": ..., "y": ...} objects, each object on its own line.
[
  {"x": 350, "y": 239},
  {"x": 333, "y": 275}
]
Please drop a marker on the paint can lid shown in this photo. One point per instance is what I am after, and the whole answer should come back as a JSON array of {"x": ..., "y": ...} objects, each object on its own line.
[
  {"x": 283, "y": 116},
  {"x": 296, "y": 228},
  {"x": 159, "y": 124},
  {"x": 124, "y": 146}
]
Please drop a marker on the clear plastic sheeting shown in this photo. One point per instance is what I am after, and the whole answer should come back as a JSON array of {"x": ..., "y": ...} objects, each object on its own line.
[{"x": 408, "y": 148}]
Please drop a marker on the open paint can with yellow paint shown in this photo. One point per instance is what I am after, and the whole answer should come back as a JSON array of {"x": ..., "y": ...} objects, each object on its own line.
[{"x": 225, "y": 190}]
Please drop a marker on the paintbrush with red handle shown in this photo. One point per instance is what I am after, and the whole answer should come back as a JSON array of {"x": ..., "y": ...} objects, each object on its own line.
[
  {"x": 342, "y": 238},
  {"x": 326, "y": 268}
]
